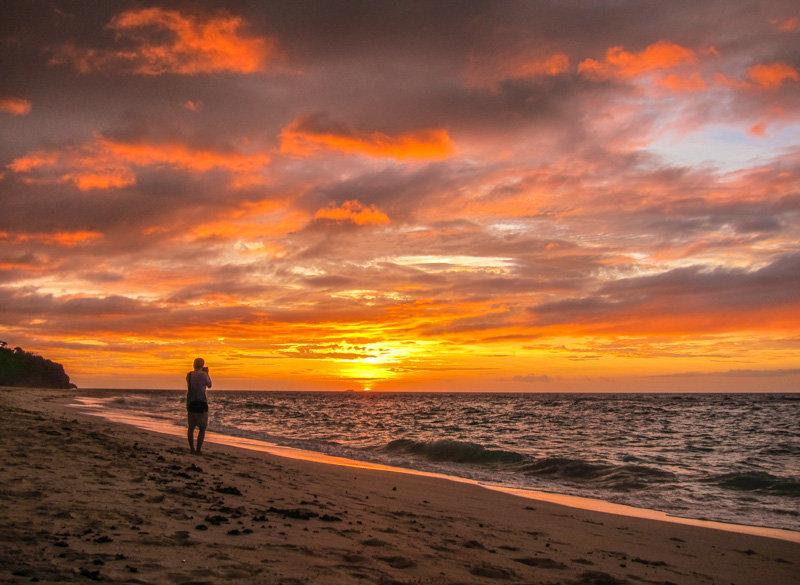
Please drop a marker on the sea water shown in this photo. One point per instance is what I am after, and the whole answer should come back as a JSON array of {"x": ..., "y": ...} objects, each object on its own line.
[{"x": 724, "y": 457}]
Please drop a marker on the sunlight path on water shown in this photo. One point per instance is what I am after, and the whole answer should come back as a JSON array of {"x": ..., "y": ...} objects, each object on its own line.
[{"x": 99, "y": 408}]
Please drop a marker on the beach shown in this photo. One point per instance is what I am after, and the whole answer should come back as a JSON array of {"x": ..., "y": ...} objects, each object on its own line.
[{"x": 87, "y": 500}]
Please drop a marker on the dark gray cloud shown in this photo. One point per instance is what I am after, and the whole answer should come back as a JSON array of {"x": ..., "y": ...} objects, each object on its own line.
[{"x": 722, "y": 294}]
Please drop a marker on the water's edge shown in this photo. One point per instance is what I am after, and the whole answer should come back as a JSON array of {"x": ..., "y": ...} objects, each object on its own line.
[{"x": 590, "y": 504}]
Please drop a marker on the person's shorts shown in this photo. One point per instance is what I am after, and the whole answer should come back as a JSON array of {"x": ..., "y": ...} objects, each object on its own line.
[{"x": 198, "y": 419}]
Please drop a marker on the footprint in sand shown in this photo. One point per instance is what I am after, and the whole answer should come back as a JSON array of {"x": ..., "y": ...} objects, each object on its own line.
[
  {"x": 397, "y": 562},
  {"x": 374, "y": 542},
  {"x": 541, "y": 562},
  {"x": 598, "y": 578},
  {"x": 492, "y": 572}
]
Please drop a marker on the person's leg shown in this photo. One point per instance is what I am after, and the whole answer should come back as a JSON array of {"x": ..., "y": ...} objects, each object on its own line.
[
  {"x": 201, "y": 432},
  {"x": 190, "y": 434}
]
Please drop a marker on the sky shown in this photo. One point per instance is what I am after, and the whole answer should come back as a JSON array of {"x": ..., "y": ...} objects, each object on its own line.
[{"x": 539, "y": 196}]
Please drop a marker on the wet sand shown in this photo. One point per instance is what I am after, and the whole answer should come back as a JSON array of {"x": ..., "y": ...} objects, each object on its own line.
[{"x": 87, "y": 500}]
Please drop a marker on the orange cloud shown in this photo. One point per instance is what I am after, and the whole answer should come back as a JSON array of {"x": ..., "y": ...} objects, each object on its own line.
[
  {"x": 182, "y": 156},
  {"x": 759, "y": 129},
  {"x": 262, "y": 224},
  {"x": 772, "y": 76},
  {"x": 353, "y": 211},
  {"x": 68, "y": 239},
  {"x": 303, "y": 138},
  {"x": 788, "y": 25},
  {"x": 683, "y": 83},
  {"x": 162, "y": 41},
  {"x": 553, "y": 65},
  {"x": 106, "y": 164},
  {"x": 32, "y": 161},
  {"x": 488, "y": 70},
  {"x": 108, "y": 180},
  {"x": 621, "y": 63},
  {"x": 15, "y": 106},
  {"x": 724, "y": 80}
]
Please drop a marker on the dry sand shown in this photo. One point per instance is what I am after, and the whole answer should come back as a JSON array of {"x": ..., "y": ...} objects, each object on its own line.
[{"x": 87, "y": 500}]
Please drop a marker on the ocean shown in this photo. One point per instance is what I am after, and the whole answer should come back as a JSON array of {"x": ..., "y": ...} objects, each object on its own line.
[{"x": 724, "y": 457}]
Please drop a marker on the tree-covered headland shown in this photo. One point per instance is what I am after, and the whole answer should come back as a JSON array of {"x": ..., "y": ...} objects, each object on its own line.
[{"x": 21, "y": 368}]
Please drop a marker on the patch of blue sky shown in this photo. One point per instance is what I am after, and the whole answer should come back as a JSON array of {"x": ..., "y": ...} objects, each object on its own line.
[{"x": 725, "y": 148}]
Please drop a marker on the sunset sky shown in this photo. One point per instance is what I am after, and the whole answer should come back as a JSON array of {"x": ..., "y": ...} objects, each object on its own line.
[{"x": 450, "y": 195}]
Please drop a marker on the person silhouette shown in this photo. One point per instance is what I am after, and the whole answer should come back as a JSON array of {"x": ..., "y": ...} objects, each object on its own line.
[{"x": 197, "y": 403}]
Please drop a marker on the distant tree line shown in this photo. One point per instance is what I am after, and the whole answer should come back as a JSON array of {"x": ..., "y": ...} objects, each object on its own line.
[{"x": 20, "y": 368}]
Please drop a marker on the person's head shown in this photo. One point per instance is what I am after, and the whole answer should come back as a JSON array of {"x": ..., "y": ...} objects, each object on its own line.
[{"x": 199, "y": 363}]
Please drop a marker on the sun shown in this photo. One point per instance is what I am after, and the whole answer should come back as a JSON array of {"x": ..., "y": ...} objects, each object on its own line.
[{"x": 367, "y": 389}]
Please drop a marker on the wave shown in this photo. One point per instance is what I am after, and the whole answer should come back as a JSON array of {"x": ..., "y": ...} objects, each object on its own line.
[
  {"x": 253, "y": 405},
  {"x": 780, "y": 449},
  {"x": 607, "y": 475},
  {"x": 597, "y": 475},
  {"x": 454, "y": 451},
  {"x": 758, "y": 481}
]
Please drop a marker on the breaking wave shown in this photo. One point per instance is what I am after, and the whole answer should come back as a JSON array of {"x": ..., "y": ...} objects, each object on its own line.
[
  {"x": 562, "y": 469},
  {"x": 454, "y": 451},
  {"x": 758, "y": 481},
  {"x": 607, "y": 475}
]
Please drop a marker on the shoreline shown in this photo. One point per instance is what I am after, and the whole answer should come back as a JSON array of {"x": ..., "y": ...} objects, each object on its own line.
[
  {"x": 579, "y": 502},
  {"x": 465, "y": 392},
  {"x": 91, "y": 499}
]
